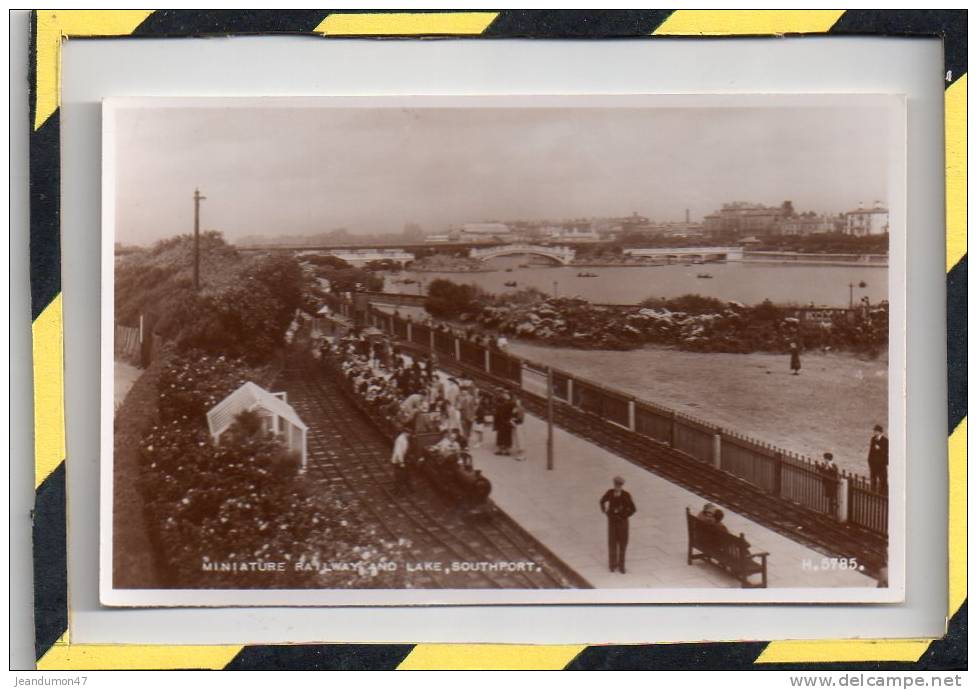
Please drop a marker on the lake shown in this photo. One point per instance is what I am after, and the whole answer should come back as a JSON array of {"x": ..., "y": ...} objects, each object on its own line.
[{"x": 749, "y": 283}]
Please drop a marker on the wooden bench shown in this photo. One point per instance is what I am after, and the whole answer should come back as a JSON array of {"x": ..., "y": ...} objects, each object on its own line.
[{"x": 728, "y": 551}]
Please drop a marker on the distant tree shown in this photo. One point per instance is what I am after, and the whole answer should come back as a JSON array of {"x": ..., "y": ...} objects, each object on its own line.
[
  {"x": 767, "y": 311},
  {"x": 787, "y": 209},
  {"x": 689, "y": 304},
  {"x": 446, "y": 299},
  {"x": 351, "y": 279},
  {"x": 382, "y": 265},
  {"x": 327, "y": 260}
]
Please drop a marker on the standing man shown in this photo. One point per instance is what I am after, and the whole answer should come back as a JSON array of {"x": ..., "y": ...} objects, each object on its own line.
[
  {"x": 502, "y": 419},
  {"x": 617, "y": 505},
  {"x": 468, "y": 406},
  {"x": 878, "y": 460}
]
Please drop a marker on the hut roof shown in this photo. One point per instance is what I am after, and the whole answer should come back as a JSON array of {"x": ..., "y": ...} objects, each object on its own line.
[{"x": 248, "y": 397}]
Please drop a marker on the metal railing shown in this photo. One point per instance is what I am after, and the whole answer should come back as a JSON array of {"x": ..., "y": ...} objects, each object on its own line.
[{"x": 867, "y": 508}]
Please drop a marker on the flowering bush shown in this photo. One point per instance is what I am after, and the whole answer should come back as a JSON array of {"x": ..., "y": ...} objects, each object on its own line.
[
  {"x": 193, "y": 383},
  {"x": 242, "y": 500}
]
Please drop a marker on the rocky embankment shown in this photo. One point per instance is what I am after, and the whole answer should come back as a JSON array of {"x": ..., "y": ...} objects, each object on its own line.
[{"x": 693, "y": 323}]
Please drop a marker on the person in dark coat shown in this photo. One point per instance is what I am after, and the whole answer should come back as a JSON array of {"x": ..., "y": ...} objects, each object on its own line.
[
  {"x": 502, "y": 421},
  {"x": 829, "y": 479},
  {"x": 878, "y": 460},
  {"x": 795, "y": 359},
  {"x": 618, "y": 506}
]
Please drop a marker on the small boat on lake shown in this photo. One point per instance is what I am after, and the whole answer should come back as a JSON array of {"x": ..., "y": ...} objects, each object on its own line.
[
  {"x": 586, "y": 274},
  {"x": 510, "y": 283},
  {"x": 703, "y": 275}
]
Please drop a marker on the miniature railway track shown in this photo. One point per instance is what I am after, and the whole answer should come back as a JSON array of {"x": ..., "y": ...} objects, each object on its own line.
[
  {"x": 346, "y": 448},
  {"x": 812, "y": 529}
]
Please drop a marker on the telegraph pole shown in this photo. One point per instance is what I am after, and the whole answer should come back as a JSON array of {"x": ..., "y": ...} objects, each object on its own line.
[
  {"x": 549, "y": 418},
  {"x": 197, "y": 198}
]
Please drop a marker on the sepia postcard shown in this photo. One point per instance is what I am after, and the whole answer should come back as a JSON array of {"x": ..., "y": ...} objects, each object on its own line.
[{"x": 503, "y": 350}]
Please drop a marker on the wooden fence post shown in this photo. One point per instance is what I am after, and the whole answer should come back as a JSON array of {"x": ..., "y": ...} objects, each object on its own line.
[
  {"x": 457, "y": 349},
  {"x": 717, "y": 450},
  {"x": 631, "y": 425},
  {"x": 488, "y": 364}
]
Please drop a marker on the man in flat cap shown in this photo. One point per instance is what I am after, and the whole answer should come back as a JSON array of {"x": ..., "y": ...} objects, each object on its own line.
[
  {"x": 878, "y": 460},
  {"x": 617, "y": 505}
]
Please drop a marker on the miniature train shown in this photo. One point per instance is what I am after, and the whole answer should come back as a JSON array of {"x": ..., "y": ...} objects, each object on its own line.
[{"x": 453, "y": 477}]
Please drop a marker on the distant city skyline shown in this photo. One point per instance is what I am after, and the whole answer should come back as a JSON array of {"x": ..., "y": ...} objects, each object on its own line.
[{"x": 310, "y": 170}]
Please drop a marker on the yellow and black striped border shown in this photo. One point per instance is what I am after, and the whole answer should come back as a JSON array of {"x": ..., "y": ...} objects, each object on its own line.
[{"x": 49, "y": 28}]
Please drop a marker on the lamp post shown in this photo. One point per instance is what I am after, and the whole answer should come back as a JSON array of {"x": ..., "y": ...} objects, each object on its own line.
[
  {"x": 851, "y": 292},
  {"x": 549, "y": 418}
]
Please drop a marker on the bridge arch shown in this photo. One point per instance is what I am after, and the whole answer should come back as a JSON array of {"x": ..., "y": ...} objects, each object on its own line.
[{"x": 562, "y": 255}]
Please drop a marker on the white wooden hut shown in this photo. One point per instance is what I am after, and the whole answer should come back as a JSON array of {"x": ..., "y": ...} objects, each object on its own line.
[{"x": 276, "y": 414}]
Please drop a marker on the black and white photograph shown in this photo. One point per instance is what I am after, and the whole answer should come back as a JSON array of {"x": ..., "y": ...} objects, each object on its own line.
[{"x": 511, "y": 349}]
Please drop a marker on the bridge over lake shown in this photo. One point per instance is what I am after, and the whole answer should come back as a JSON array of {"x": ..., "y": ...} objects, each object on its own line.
[{"x": 561, "y": 255}]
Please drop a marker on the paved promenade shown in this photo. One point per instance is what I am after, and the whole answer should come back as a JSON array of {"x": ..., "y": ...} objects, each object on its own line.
[
  {"x": 560, "y": 508},
  {"x": 125, "y": 375}
]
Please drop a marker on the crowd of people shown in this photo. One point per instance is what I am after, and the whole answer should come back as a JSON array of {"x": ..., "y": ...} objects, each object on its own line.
[{"x": 428, "y": 410}]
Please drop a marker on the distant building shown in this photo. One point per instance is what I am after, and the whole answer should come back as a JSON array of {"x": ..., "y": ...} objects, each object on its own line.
[
  {"x": 571, "y": 232},
  {"x": 632, "y": 223},
  {"x": 745, "y": 218},
  {"x": 361, "y": 257},
  {"x": 483, "y": 232},
  {"x": 676, "y": 229},
  {"x": 867, "y": 221},
  {"x": 811, "y": 224}
]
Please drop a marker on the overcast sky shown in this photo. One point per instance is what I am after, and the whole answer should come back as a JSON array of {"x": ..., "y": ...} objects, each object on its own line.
[{"x": 307, "y": 170}]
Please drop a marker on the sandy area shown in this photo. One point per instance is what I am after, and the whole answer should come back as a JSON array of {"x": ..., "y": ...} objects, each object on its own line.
[{"x": 832, "y": 405}]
